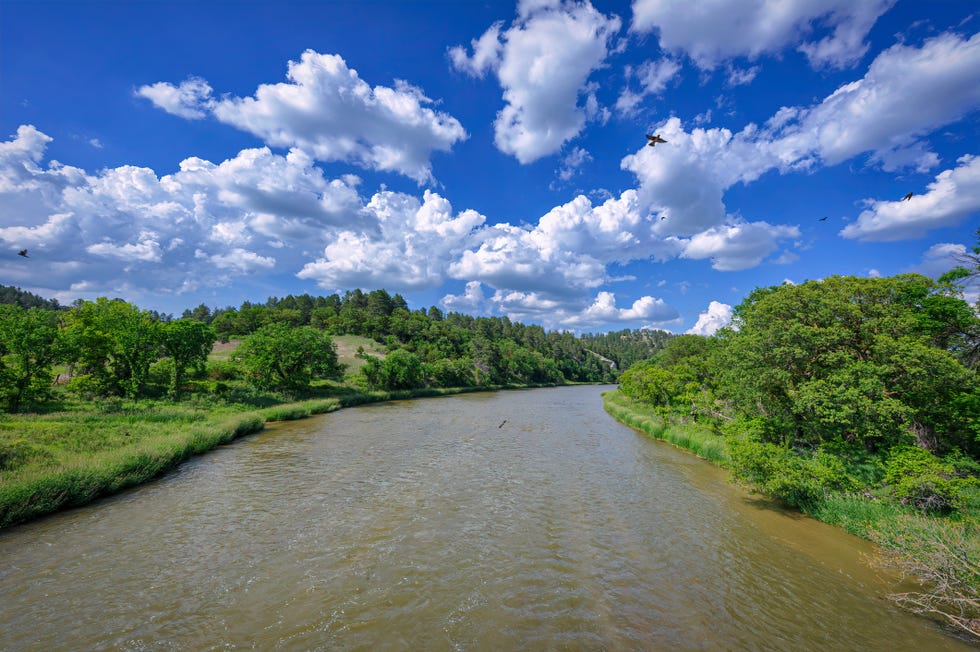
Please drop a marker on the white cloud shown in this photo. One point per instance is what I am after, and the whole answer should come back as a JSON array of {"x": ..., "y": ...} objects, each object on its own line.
[
  {"x": 543, "y": 62},
  {"x": 472, "y": 299},
  {"x": 907, "y": 92},
  {"x": 716, "y": 316},
  {"x": 410, "y": 249},
  {"x": 327, "y": 110},
  {"x": 653, "y": 77},
  {"x": 577, "y": 313},
  {"x": 714, "y": 31},
  {"x": 737, "y": 246},
  {"x": 486, "y": 53},
  {"x": 951, "y": 198},
  {"x": 604, "y": 311},
  {"x": 572, "y": 162},
  {"x": 242, "y": 261},
  {"x": 191, "y": 99}
]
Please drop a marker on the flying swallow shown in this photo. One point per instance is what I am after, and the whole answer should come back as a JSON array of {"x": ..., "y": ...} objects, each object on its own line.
[
  {"x": 907, "y": 197},
  {"x": 823, "y": 219},
  {"x": 23, "y": 252},
  {"x": 654, "y": 140}
]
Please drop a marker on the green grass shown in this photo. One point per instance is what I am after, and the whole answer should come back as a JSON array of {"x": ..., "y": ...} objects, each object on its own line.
[{"x": 694, "y": 438}]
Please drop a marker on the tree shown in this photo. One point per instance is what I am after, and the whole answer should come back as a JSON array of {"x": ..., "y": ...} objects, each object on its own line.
[
  {"x": 115, "y": 342},
  {"x": 28, "y": 348},
  {"x": 854, "y": 362},
  {"x": 400, "y": 369},
  {"x": 282, "y": 358},
  {"x": 188, "y": 343}
]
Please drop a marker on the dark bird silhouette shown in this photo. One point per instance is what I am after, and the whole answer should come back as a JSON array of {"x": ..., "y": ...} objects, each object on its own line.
[
  {"x": 823, "y": 219},
  {"x": 502, "y": 424},
  {"x": 907, "y": 197},
  {"x": 654, "y": 140},
  {"x": 663, "y": 217},
  {"x": 23, "y": 252}
]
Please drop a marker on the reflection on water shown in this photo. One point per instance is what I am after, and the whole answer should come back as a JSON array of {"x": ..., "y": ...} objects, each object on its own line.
[{"x": 424, "y": 525}]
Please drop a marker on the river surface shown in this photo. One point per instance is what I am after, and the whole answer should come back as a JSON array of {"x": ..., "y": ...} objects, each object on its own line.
[{"x": 522, "y": 520}]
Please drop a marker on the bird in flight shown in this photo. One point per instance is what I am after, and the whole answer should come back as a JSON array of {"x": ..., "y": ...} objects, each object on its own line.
[
  {"x": 654, "y": 140},
  {"x": 907, "y": 197},
  {"x": 23, "y": 252},
  {"x": 823, "y": 219}
]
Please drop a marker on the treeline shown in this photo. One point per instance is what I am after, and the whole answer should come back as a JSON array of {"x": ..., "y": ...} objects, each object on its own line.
[
  {"x": 112, "y": 348},
  {"x": 854, "y": 385}
]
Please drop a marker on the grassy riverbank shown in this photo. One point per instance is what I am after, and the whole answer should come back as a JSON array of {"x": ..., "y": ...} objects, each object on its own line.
[{"x": 941, "y": 553}]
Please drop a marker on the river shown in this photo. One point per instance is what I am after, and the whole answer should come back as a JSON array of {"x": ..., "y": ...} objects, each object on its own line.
[{"x": 521, "y": 520}]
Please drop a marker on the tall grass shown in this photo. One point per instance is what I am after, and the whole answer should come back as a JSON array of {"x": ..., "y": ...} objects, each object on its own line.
[
  {"x": 33, "y": 491},
  {"x": 696, "y": 439}
]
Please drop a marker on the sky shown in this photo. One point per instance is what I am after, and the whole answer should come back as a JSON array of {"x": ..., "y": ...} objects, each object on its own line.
[{"x": 488, "y": 158}]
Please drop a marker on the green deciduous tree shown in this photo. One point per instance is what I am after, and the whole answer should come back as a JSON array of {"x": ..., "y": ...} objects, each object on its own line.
[
  {"x": 188, "y": 343},
  {"x": 114, "y": 342},
  {"x": 279, "y": 357},
  {"x": 28, "y": 348}
]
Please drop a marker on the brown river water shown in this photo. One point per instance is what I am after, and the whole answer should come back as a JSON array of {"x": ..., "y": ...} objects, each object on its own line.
[{"x": 521, "y": 520}]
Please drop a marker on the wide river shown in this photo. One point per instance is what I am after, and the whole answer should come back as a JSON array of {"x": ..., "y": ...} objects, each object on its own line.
[{"x": 522, "y": 520}]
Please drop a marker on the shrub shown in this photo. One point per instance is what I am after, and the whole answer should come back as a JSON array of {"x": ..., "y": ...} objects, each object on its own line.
[{"x": 919, "y": 479}]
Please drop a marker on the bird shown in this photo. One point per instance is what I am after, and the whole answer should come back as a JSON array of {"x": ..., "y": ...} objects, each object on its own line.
[
  {"x": 907, "y": 197},
  {"x": 23, "y": 252},
  {"x": 823, "y": 219},
  {"x": 663, "y": 217},
  {"x": 501, "y": 424},
  {"x": 654, "y": 140}
]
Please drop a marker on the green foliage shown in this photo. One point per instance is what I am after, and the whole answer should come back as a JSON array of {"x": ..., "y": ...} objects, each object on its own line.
[
  {"x": 400, "y": 369},
  {"x": 919, "y": 479},
  {"x": 114, "y": 343},
  {"x": 798, "y": 478},
  {"x": 280, "y": 357},
  {"x": 188, "y": 344},
  {"x": 29, "y": 346}
]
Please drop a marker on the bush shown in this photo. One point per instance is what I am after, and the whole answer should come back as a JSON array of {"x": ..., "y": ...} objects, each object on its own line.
[
  {"x": 799, "y": 479},
  {"x": 919, "y": 479}
]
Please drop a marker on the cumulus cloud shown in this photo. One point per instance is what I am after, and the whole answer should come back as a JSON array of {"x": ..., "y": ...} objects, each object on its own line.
[
  {"x": 191, "y": 99},
  {"x": 736, "y": 245},
  {"x": 543, "y": 62},
  {"x": 89, "y": 227},
  {"x": 578, "y": 313},
  {"x": 716, "y": 316},
  {"x": 410, "y": 249},
  {"x": 472, "y": 299},
  {"x": 952, "y": 197},
  {"x": 328, "y": 111},
  {"x": 715, "y": 31}
]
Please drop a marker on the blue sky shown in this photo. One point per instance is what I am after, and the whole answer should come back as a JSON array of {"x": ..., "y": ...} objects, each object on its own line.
[{"x": 485, "y": 157}]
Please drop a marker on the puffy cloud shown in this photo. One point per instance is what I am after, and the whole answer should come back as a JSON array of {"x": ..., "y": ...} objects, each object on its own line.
[
  {"x": 486, "y": 53},
  {"x": 327, "y": 110},
  {"x": 191, "y": 99},
  {"x": 472, "y": 299},
  {"x": 410, "y": 249},
  {"x": 86, "y": 228},
  {"x": 543, "y": 62},
  {"x": 716, "y": 316},
  {"x": 950, "y": 199},
  {"x": 714, "y": 31},
  {"x": 572, "y": 162},
  {"x": 604, "y": 311},
  {"x": 738, "y": 246}
]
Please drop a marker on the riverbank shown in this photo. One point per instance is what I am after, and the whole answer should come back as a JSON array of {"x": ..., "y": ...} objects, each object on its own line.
[
  {"x": 71, "y": 457},
  {"x": 941, "y": 553}
]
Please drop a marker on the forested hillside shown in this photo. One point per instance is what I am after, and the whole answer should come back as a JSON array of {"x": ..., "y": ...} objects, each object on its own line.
[{"x": 107, "y": 348}]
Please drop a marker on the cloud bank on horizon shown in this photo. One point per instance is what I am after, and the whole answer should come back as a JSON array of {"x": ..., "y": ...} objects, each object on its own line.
[{"x": 290, "y": 210}]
